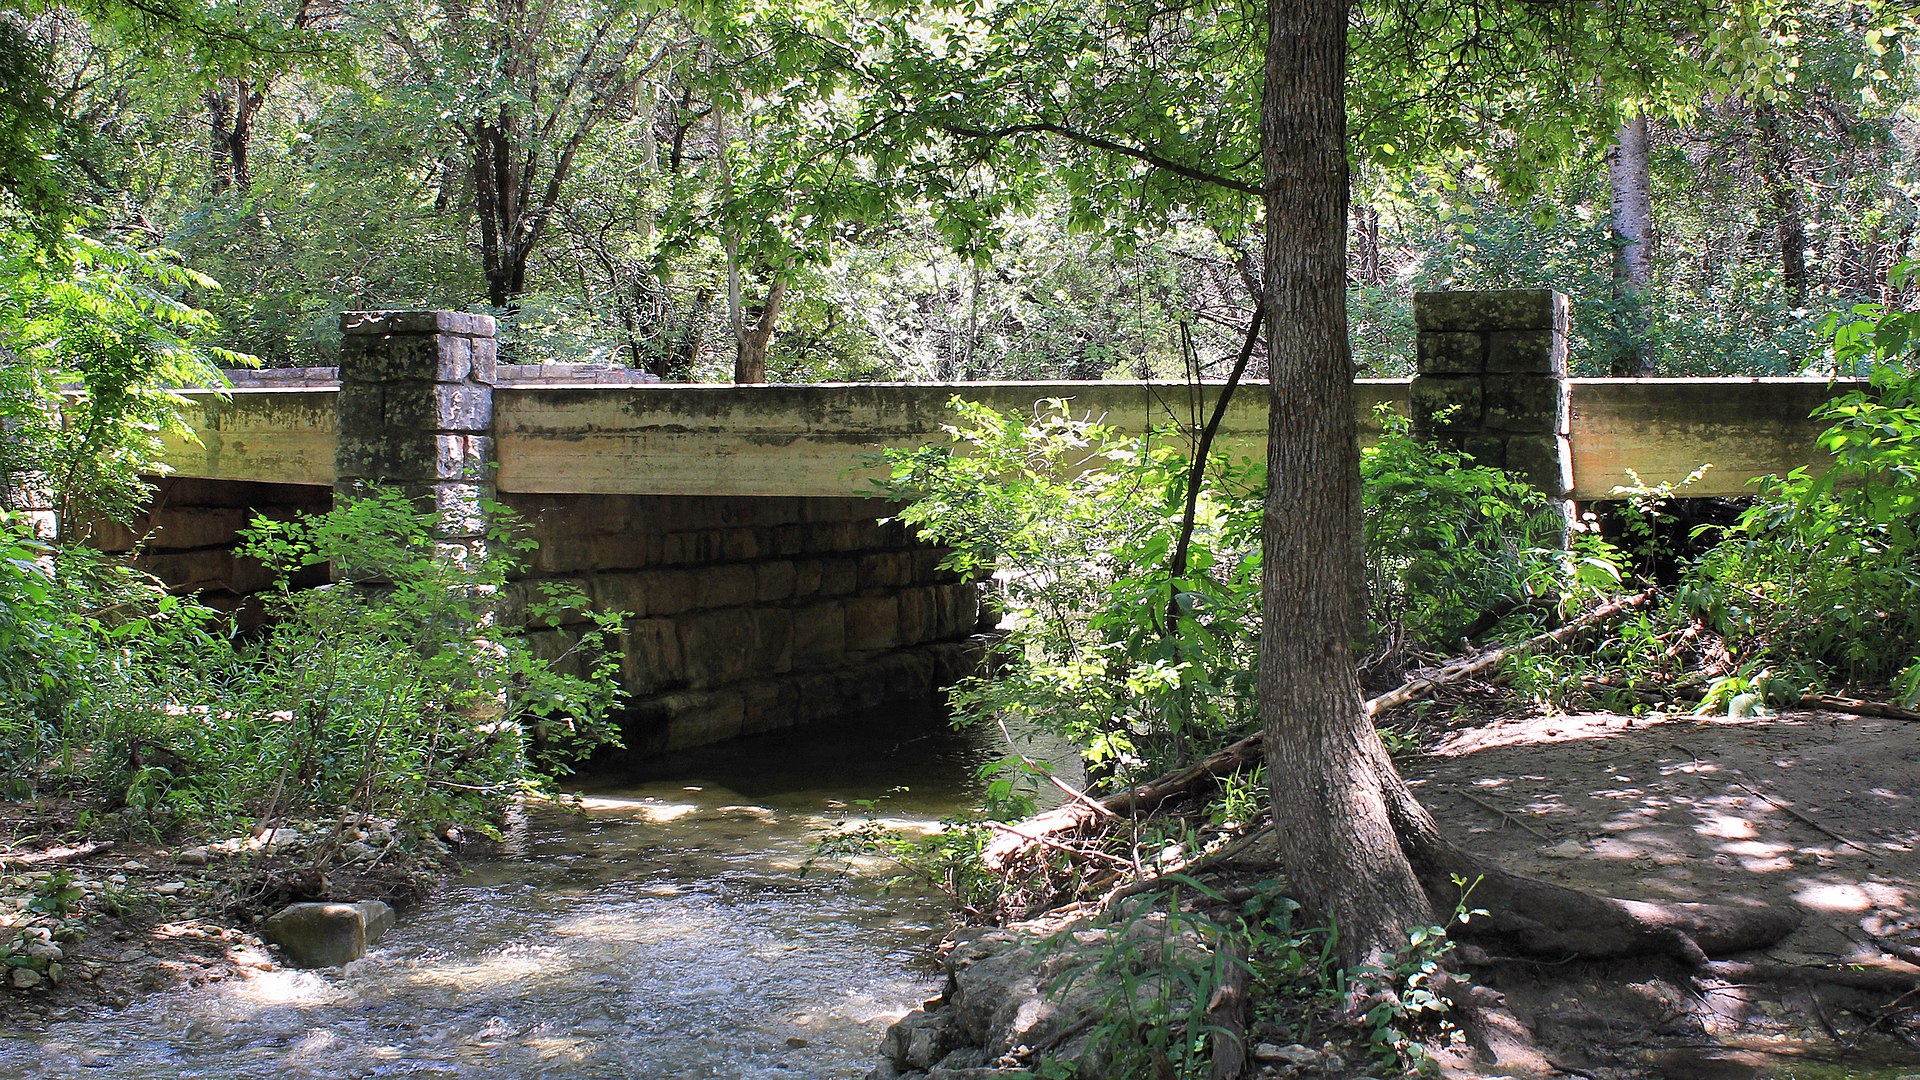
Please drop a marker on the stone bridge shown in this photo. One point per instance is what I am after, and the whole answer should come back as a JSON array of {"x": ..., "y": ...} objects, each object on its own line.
[{"x": 731, "y": 520}]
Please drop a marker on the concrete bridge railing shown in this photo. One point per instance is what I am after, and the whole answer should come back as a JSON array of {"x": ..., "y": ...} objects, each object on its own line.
[{"x": 1497, "y": 359}]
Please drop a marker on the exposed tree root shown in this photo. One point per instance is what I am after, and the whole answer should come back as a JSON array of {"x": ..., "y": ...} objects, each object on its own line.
[
  {"x": 1526, "y": 914},
  {"x": 1893, "y": 977}
]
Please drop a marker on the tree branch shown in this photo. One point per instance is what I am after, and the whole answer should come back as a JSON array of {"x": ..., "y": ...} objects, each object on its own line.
[{"x": 1158, "y": 161}]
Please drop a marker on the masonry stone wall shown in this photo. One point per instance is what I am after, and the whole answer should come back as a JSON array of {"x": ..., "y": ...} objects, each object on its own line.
[
  {"x": 186, "y": 536},
  {"x": 1491, "y": 379},
  {"x": 754, "y": 614}
]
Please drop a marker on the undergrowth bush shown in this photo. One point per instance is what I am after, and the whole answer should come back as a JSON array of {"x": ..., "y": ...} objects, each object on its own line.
[
  {"x": 1077, "y": 525},
  {"x": 1821, "y": 576},
  {"x": 393, "y": 692}
]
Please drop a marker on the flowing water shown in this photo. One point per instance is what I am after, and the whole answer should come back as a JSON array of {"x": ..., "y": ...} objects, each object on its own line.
[{"x": 672, "y": 929}]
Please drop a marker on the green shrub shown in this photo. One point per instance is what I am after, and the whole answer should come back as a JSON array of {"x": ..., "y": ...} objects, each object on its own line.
[
  {"x": 1078, "y": 524},
  {"x": 1821, "y": 576},
  {"x": 1448, "y": 540},
  {"x": 394, "y": 692}
]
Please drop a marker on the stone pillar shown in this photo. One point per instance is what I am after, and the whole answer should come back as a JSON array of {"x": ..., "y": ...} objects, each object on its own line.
[
  {"x": 1491, "y": 380},
  {"x": 416, "y": 414}
]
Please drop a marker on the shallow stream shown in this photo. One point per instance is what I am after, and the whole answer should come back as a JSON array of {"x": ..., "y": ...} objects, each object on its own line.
[{"x": 671, "y": 929}]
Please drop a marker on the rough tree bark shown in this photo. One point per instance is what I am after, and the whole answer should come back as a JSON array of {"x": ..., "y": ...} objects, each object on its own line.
[
  {"x": 1357, "y": 849},
  {"x": 1630, "y": 179},
  {"x": 1328, "y": 767}
]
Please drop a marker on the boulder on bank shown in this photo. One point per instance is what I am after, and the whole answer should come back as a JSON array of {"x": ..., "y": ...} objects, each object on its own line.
[
  {"x": 327, "y": 935},
  {"x": 1015, "y": 998}
]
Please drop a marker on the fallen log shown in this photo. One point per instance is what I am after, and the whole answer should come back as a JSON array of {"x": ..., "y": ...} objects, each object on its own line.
[
  {"x": 1815, "y": 702},
  {"x": 1015, "y": 839}
]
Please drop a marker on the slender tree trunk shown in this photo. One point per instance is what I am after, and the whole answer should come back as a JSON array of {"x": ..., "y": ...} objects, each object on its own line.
[
  {"x": 219, "y": 138},
  {"x": 1326, "y": 761},
  {"x": 751, "y": 364},
  {"x": 1629, "y": 176},
  {"x": 1789, "y": 207}
]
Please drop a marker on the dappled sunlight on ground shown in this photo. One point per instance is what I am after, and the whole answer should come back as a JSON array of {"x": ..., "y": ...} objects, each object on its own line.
[{"x": 1808, "y": 809}]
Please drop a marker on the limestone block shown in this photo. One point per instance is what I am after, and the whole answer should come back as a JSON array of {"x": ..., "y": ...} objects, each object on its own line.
[
  {"x": 619, "y": 591},
  {"x": 1532, "y": 352},
  {"x": 772, "y": 640},
  {"x": 773, "y": 581},
  {"x": 1507, "y": 309},
  {"x": 559, "y": 647},
  {"x": 388, "y": 457},
  {"x": 806, "y": 577},
  {"x": 1456, "y": 353},
  {"x": 458, "y": 507},
  {"x": 926, "y": 565},
  {"x": 318, "y": 935},
  {"x": 1545, "y": 461},
  {"x": 784, "y": 540},
  {"x": 650, "y": 656},
  {"x": 1440, "y": 402},
  {"x": 873, "y": 623},
  {"x": 484, "y": 356},
  {"x": 885, "y": 570},
  {"x": 361, "y": 408},
  {"x": 816, "y": 697},
  {"x": 670, "y": 592},
  {"x": 956, "y": 660},
  {"x": 819, "y": 635},
  {"x": 957, "y": 608},
  {"x": 696, "y": 719},
  {"x": 615, "y": 551},
  {"x": 739, "y": 545},
  {"x": 463, "y": 457},
  {"x": 769, "y": 705},
  {"x": 919, "y": 615},
  {"x": 1489, "y": 449},
  {"x": 375, "y": 323},
  {"x": 838, "y": 577},
  {"x": 176, "y": 528},
  {"x": 448, "y": 407},
  {"x": 1534, "y": 404},
  {"x": 716, "y": 647},
  {"x": 724, "y": 586}
]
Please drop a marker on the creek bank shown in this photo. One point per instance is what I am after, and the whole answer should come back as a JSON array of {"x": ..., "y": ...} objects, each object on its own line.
[
  {"x": 91, "y": 921},
  {"x": 1804, "y": 809}
]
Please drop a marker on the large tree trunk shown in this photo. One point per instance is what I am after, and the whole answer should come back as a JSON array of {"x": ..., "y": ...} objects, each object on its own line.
[
  {"x": 1629, "y": 175},
  {"x": 1358, "y": 851},
  {"x": 1328, "y": 767}
]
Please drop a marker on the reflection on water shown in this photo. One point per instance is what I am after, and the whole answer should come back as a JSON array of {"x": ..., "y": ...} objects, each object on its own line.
[{"x": 666, "y": 931}]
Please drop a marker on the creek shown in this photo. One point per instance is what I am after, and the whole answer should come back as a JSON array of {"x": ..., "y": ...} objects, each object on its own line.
[{"x": 670, "y": 928}]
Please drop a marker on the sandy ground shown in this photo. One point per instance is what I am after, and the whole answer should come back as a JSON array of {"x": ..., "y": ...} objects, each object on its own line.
[{"x": 1818, "y": 812}]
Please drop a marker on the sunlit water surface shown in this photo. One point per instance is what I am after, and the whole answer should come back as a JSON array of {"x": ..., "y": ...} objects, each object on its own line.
[{"x": 673, "y": 929}]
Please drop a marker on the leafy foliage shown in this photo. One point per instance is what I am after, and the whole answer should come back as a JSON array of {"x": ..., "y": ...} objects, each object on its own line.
[
  {"x": 1822, "y": 573},
  {"x": 106, "y": 317},
  {"x": 1077, "y": 525},
  {"x": 1448, "y": 540},
  {"x": 392, "y": 693}
]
